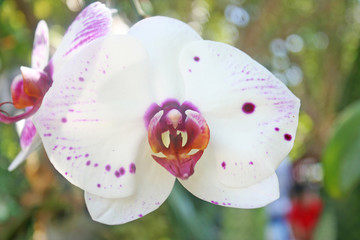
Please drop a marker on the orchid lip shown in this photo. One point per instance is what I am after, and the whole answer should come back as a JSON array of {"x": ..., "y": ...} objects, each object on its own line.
[{"x": 175, "y": 131}]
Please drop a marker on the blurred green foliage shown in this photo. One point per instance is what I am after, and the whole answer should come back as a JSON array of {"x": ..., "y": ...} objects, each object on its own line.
[
  {"x": 341, "y": 155},
  {"x": 315, "y": 42}
]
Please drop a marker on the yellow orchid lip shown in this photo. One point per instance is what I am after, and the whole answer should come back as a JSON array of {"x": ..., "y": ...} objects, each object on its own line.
[{"x": 179, "y": 133}]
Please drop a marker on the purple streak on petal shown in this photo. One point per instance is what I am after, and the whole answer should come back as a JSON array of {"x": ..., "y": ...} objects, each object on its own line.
[
  {"x": 95, "y": 21},
  {"x": 28, "y": 133}
]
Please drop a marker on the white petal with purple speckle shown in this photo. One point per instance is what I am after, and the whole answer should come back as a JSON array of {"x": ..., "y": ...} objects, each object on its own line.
[
  {"x": 153, "y": 186},
  {"x": 164, "y": 38},
  {"x": 91, "y": 121},
  {"x": 93, "y": 22},
  {"x": 250, "y": 113},
  {"x": 205, "y": 185}
]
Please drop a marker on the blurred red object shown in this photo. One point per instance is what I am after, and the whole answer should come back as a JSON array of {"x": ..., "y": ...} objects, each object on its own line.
[{"x": 304, "y": 214}]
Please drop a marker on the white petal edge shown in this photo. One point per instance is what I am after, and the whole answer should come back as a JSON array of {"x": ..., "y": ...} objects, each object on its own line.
[
  {"x": 205, "y": 185},
  {"x": 153, "y": 186},
  {"x": 220, "y": 82},
  {"x": 40, "y": 53},
  {"x": 91, "y": 119},
  {"x": 164, "y": 38},
  {"x": 24, "y": 153}
]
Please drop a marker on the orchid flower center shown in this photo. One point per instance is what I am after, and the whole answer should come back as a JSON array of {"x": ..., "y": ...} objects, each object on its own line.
[
  {"x": 28, "y": 91},
  {"x": 178, "y": 136}
]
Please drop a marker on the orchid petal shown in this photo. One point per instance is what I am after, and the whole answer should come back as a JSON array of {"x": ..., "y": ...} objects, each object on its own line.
[
  {"x": 91, "y": 120},
  {"x": 252, "y": 116},
  {"x": 40, "y": 53},
  {"x": 154, "y": 185},
  {"x": 27, "y": 134},
  {"x": 25, "y": 152},
  {"x": 92, "y": 22},
  {"x": 164, "y": 38},
  {"x": 205, "y": 185}
]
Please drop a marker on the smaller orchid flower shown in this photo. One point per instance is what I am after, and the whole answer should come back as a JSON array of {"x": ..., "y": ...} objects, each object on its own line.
[
  {"x": 135, "y": 112},
  {"x": 29, "y": 88}
]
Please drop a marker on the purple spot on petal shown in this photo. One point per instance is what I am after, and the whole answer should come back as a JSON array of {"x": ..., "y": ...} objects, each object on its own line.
[
  {"x": 214, "y": 202},
  {"x": 132, "y": 168},
  {"x": 196, "y": 59},
  {"x": 277, "y": 129},
  {"x": 140, "y": 215},
  {"x": 68, "y": 158},
  {"x": 251, "y": 163},
  {"x": 66, "y": 173},
  {"x": 98, "y": 185},
  {"x": 47, "y": 134},
  {"x": 81, "y": 79},
  {"x": 122, "y": 171},
  {"x": 64, "y": 120},
  {"x": 248, "y": 108},
  {"x": 88, "y": 163},
  {"x": 223, "y": 164},
  {"x": 87, "y": 155},
  {"x": 190, "y": 70},
  {"x": 287, "y": 137},
  {"x": 96, "y": 165},
  {"x": 107, "y": 167}
]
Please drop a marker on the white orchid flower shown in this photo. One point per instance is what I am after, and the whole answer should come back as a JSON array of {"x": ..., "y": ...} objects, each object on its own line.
[
  {"x": 134, "y": 112},
  {"x": 29, "y": 88}
]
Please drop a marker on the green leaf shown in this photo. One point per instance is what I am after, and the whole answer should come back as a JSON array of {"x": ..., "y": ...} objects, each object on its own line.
[{"x": 341, "y": 158}]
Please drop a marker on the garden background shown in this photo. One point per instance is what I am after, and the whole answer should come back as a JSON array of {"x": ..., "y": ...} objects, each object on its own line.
[{"x": 311, "y": 45}]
